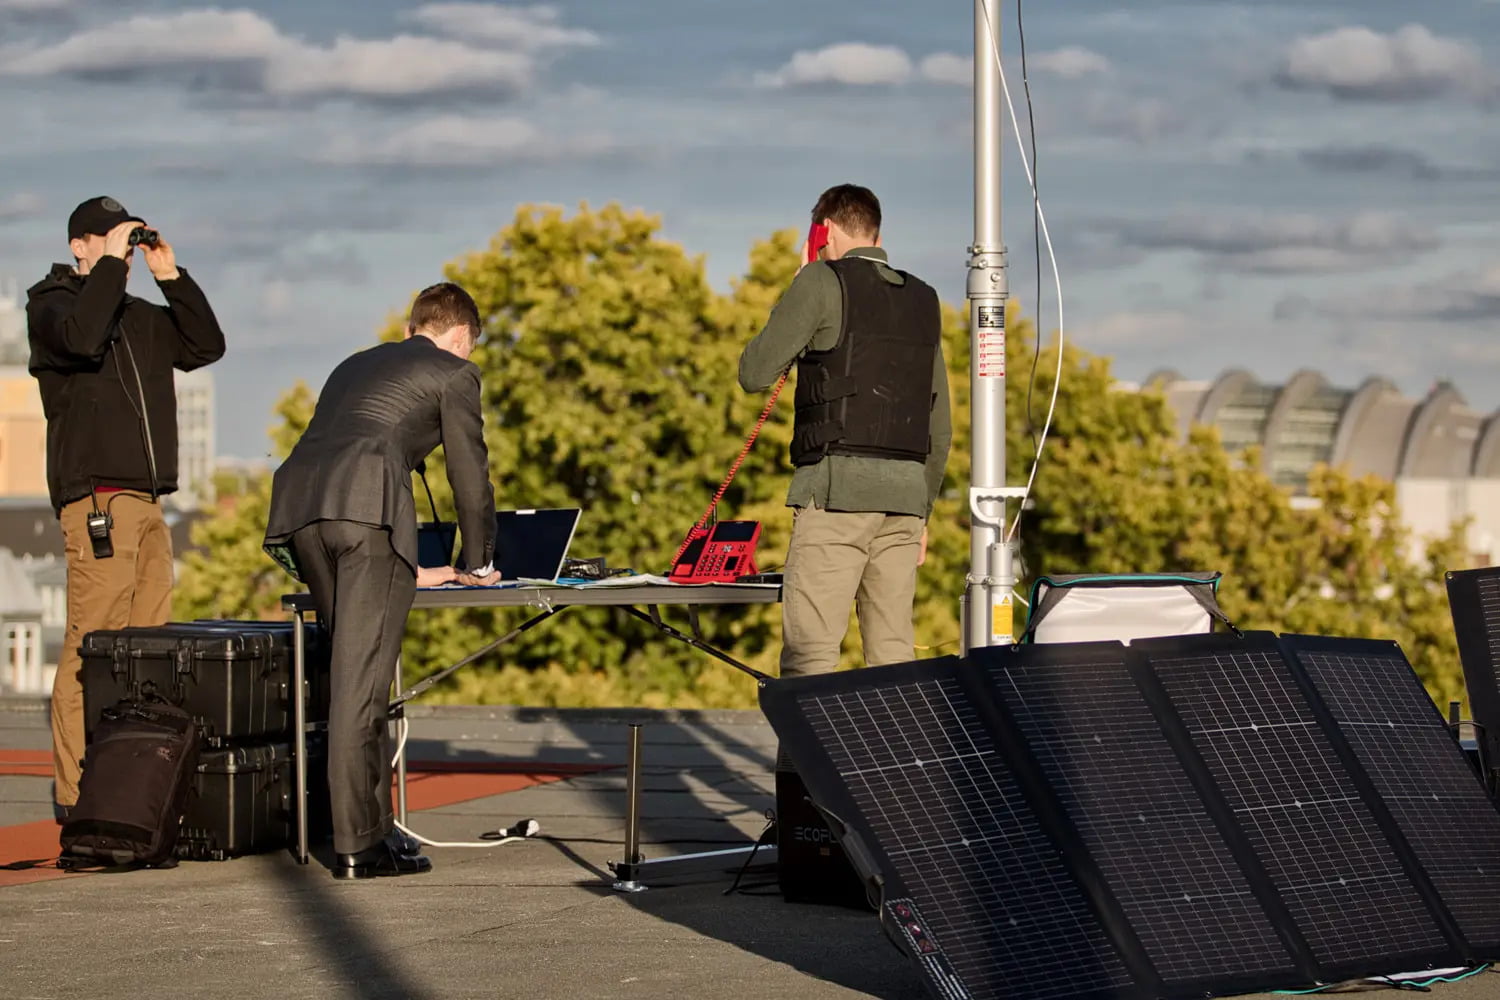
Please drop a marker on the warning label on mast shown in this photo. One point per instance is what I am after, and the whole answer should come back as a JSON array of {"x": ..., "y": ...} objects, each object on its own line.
[{"x": 991, "y": 334}]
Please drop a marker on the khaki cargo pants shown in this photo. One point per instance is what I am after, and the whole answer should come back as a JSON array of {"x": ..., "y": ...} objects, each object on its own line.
[
  {"x": 837, "y": 559},
  {"x": 132, "y": 587}
]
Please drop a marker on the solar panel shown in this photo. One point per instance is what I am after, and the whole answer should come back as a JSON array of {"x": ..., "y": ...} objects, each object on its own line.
[
  {"x": 1107, "y": 759},
  {"x": 1474, "y": 598},
  {"x": 1441, "y": 807},
  {"x": 1318, "y": 841},
  {"x": 1202, "y": 815},
  {"x": 973, "y": 884}
]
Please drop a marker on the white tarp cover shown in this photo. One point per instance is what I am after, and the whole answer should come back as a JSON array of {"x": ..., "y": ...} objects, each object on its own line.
[{"x": 1122, "y": 608}]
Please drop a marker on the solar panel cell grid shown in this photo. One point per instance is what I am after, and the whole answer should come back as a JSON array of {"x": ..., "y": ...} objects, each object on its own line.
[
  {"x": 1435, "y": 798},
  {"x": 961, "y": 841},
  {"x": 1319, "y": 842},
  {"x": 1489, "y": 609},
  {"x": 1106, "y": 758}
]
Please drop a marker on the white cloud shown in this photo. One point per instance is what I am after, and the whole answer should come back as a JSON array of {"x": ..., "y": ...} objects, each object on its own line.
[
  {"x": 242, "y": 51},
  {"x": 1411, "y": 63},
  {"x": 946, "y": 67},
  {"x": 853, "y": 64},
  {"x": 1141, "y": 120},
  {"x": 21, "y": 205},
  {"x": 393, "y": 68},
  {"x": 1147, "y": 328},
  {"x": 1070, "y": 62},
  {"x": 1284, "y": 244},
  {"x": 526, "y": 28},
  {"x": 1463, "y": 297},
  {"x": 463, "y": 141},
  {"x": 858, "y": 64}
]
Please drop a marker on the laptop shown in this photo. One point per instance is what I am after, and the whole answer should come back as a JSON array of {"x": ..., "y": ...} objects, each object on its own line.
[
  {"x": 532, "y": 544},
  {"x": 435, "y": 543}
]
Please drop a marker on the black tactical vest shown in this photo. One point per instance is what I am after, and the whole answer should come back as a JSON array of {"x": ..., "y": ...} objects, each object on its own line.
[{"x": 871, "y": 394}]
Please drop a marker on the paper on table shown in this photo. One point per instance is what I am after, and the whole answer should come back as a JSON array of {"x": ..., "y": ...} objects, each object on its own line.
[{"x": 634, "y": 580}]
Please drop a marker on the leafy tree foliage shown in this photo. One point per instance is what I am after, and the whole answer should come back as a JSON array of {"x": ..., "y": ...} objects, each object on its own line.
[{"x": 609, "y": 377}]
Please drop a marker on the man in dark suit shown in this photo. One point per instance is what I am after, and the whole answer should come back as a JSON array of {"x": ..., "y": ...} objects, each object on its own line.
[{"x": 343, "y": 520}]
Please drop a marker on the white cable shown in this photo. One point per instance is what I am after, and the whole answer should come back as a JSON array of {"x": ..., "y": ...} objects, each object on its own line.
[
  {"x": 1056, "y": 276},
  {"x": 524, "y": 830}
]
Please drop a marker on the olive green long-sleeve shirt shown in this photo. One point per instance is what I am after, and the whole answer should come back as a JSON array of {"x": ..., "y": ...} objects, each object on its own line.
[{"x": 810, "y": 316}]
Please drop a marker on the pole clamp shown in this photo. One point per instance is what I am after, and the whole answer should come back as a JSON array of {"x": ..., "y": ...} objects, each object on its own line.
[{"x": 984, "y": 494}]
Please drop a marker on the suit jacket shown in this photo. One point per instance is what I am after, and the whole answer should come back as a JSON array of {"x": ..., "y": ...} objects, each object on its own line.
[{"x": 380, "y": 413}]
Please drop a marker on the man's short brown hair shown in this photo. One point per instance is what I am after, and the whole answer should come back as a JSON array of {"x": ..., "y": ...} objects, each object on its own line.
[
  {"x": 854, "y": 208},
  {"x": 438, "y": 308}
]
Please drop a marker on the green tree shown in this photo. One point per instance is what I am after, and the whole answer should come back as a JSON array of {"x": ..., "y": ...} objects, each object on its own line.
[
  {"x": 609, "y": 369},
  {"x": 609, "y": 374}
]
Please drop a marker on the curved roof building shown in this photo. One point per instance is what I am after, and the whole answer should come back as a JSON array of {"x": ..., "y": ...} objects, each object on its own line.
[{"x": 1372, "y": 429}]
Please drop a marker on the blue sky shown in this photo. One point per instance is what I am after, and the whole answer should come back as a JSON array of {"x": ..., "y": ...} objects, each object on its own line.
[{"x": 1264, "y": 185}]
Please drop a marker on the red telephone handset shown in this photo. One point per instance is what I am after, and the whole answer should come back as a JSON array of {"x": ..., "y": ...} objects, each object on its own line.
[{"x": 817, "y": 239}]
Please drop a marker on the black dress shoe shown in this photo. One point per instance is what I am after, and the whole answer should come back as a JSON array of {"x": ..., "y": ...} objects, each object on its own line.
[
  {"x": 403, "y": 843},
  {"x": 378, "y": 862}
]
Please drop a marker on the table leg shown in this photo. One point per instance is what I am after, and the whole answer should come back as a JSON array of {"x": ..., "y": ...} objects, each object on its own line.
[
  {"x": 627, "y": 872},
  {"x": 421, "y": 686},
  {"x": 655, "y": 621},
  {"x": 401, "y": 752},
  {"x": 299, "y": 730}
]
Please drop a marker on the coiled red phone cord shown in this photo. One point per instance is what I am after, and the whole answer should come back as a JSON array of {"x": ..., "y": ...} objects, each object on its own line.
[{"x": 700, "y": 529}]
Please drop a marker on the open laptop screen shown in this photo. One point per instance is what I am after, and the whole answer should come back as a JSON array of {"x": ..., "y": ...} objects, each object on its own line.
[
  {"x": 435, "y": 543},
  {"x": 532, "y": 544}
]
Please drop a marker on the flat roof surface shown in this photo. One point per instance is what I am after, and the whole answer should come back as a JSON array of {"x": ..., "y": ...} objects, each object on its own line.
[{"x": 528, "y": 919}]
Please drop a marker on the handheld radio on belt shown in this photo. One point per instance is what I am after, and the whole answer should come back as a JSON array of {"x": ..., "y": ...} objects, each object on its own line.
[{"x": 717, "y": 551}]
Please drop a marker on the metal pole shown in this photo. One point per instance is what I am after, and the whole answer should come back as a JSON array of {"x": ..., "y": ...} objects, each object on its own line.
[
  {"x": 987, "y": 598},
  {"x": 629, "y": 868},
  {"x": 401, "y": 753},
  {"x": 299, "y": 728}
]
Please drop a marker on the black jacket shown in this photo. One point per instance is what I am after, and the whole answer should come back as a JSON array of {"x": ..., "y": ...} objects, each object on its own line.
[
  {"x": 380, "y": 413},
  {"x": 85, "y": 332}
]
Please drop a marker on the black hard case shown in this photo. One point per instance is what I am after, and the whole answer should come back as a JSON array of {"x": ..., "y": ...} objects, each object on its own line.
[
  {"x": 234, "y": 678},
  {"x": 241, "y": 801}
]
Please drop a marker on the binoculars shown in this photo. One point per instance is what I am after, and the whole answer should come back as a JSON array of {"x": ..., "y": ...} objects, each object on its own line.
[{"x": 141, "y": 234}]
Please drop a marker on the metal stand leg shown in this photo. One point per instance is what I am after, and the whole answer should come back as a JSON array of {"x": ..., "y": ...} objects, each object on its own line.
[
  {"x": 400, "y": 756},
  {"x": 627, "y": 871},
  {"x": 299, "y": 734}
]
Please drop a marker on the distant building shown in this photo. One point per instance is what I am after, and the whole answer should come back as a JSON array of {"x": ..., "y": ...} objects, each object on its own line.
[
  {"x": 1443, "y": 456},
  {"x": 23, "y": 426},
  {"x": 24, "y": 666},
  {"x": 195, "y": 439},
  {"x": 33, "y": 589}
]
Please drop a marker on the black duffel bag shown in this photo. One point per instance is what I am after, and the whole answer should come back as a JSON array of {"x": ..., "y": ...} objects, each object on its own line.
[{"x": 136, "y": 774}]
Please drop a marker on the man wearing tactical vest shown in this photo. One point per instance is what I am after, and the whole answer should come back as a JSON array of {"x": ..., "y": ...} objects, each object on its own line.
[{"x": 870, "y": 441}]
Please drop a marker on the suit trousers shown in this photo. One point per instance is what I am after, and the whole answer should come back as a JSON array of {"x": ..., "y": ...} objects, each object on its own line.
[
  {"x": 841, "y": 558},
  {"x": 131, "y": 587},
  {"x": 363, "y": 592}
]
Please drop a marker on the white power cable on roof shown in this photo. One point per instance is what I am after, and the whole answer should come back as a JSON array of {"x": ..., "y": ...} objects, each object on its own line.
[{"x": 523, "y": 830}]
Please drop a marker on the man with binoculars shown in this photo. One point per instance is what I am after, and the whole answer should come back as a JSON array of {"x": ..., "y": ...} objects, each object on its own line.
[{"x": 104, "y": 360}]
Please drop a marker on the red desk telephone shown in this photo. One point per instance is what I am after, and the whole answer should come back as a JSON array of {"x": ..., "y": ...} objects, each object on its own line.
[
  {"x": 723, "y": 551},
  {"x": 718, "y": 554}
]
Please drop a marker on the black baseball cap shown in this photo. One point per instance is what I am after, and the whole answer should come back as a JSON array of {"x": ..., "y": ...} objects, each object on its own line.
[{"x": 97, "y": 216}]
